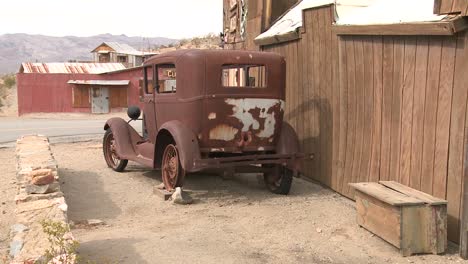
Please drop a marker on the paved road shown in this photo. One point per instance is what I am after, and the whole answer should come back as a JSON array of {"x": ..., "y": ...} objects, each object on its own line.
[{"x": 11, "y": 128}]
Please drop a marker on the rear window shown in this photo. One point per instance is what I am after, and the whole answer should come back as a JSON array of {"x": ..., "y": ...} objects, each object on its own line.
[{"x": 244, "y": 76}]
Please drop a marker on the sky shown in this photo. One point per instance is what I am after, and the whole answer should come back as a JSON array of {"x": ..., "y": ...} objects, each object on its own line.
[{"x": 145, "y": 18}]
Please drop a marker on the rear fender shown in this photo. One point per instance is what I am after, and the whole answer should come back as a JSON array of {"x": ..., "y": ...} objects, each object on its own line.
[
  {"x": 125, "y": 137},
  {"x": 288, "y": 143},
  {"x": 185, "y": 140}
]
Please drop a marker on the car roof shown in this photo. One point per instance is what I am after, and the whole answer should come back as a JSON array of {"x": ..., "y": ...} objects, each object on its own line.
[{"x": 212, "y": 54}]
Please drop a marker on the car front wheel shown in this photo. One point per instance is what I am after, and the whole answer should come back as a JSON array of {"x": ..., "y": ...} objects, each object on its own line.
[{"x": 110, "y": 153}]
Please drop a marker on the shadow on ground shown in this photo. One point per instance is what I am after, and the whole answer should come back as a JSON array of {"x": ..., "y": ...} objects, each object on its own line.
[
  {"x": 120, "y": 250},
  {"x": 83, "y": 191}
]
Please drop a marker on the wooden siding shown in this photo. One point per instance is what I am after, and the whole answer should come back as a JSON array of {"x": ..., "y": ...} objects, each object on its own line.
[
  {"x": 451, "y": 6},
  {"x": 379, "y": 108},
  {"x": 118, "y": 97},
  {"x": 81, "y": 97}
]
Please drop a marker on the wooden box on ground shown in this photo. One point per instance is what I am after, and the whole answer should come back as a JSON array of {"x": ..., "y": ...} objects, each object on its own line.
[{"x": 413, "y": 221}]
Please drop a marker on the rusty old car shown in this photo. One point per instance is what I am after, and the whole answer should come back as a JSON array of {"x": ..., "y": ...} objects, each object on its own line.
[{"x": 210, "y": 109}]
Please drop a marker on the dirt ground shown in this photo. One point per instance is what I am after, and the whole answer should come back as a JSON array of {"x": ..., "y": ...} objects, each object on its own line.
[{"x": 231, "y": 221}]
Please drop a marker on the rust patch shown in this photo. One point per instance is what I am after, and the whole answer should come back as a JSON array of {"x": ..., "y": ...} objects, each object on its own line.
[{"x": 223, "y": 132}]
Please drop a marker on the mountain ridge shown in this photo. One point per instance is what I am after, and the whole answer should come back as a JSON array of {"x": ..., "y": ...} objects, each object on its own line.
[{"x": 21, "y": 47}]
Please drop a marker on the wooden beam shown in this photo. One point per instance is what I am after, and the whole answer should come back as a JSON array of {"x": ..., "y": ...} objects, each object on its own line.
[
  {"x": 437, "y": 5},
  {"x": 464, "y": 213},
  {"x": 442, "y": 28}
]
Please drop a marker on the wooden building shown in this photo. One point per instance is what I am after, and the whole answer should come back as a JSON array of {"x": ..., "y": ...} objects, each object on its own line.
[
  {"x": 378, "y": 101},
  {"x": 120, "y": 53}
]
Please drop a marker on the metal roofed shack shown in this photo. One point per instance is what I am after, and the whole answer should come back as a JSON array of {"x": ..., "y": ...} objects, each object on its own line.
[
  {"x": 77, "y": 87},
  {"x": 376, "y": 89}
]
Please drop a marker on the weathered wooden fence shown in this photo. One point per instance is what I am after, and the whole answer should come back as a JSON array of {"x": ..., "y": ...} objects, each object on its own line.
[{"x": 380, "y": 108}]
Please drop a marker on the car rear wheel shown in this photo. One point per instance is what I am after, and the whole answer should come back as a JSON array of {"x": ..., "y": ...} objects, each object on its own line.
[
  {"x": 171, "y": 169},
  {"x": 110, "y": 154},
  {"x": 279, "y": 179}
]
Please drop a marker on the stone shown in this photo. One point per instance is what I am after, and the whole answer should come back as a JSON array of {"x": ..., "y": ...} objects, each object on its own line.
[
  {"x": 15, "y": 247},
  {"x": 43, "y": 179},
  {"x": 24, "y": 197},
  {"x": 181, "y": 197},
  {"x": 18, "y": 228},
  {"x": 42, "y": 189},
  {"x": 95, "y": 222},
  {"x": 164, "y": 194},
  {"x": 41, "y": 176}
]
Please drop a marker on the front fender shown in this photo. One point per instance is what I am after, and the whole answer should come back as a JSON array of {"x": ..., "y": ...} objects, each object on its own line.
[
  {"x": 288, "y": 143},
  {"x": 185, "y": 140},
  {"x": 126, "y": 137}
]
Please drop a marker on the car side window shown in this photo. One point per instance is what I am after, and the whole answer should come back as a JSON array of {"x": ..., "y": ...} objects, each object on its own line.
[
  {"x": 244, "y": 76},
  {"x": 167, "y": 78},
  {"x": 148, "y": 79}
]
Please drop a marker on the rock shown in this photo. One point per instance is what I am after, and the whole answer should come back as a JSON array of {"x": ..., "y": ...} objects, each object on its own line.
[
  {"x": 15, "y": 247},
  {"x": 319, "y": 230},
  {"x": 42, "y": 189},
  {"x": 161, "y": 186},
  {"x": 17, "y": 228},
  {"x": 41, "y": 176},
  {"x": 95, "y": 222},
  {"x": 180, "y": 197}
]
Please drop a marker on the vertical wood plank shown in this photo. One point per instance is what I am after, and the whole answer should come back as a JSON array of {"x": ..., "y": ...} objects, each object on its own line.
[
  {"x": 407, "y": 109},
  {"x": 374, "y": 173},
  {"x": 464, "y": 200},
  {"x": 459, "y": 6},
  {"x": 446, "y": 6},
  {"x": 351, "y": 66},
  {"x": 327, "y": 109},
  {"x": 325, "y": 100},
  {"x": 443, "y": 116},
  {"x": 315, "y": 144},
  {"x": 422, "y": 50},
  {"x": 395, "y": 130},
  {"x": 309, "y": 107},
  {"x": 337, "y": 102},
  {"x": 457, "y": 128},
  {"x": 368, "y": 116},
  {"x": 386, "y": 107},
  {"x": 430, "y": 112},
  {"x": 343, "y": 108},
  {"x": 360, "y": 98}
]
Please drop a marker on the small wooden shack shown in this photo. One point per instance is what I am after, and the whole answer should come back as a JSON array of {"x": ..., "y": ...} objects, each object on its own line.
[{"x": 378, "y": 101}]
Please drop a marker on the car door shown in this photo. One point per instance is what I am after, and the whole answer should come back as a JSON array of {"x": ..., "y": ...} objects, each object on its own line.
[{"x": 149, "y": 110}]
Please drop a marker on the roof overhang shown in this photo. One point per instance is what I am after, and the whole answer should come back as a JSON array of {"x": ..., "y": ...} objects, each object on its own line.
[
  {"x": 446, "y": 27},
  {"x": 100, "y": 82}
]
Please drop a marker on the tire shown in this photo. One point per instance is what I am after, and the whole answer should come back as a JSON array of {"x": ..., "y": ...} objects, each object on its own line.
[
  {"x": 171, "y": 169},
  {"x": 110, "y": 155},
  {"x": 279, "y": 180}
]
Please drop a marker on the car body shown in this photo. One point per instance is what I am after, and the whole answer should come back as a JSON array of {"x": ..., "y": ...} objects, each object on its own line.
[{"x": 206, "y": 109}]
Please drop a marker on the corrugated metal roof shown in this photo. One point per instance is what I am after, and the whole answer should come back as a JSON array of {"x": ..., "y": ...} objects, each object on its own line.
[
  {"x": 72, "y": 67},
  {"x": 99, "y": 82}
]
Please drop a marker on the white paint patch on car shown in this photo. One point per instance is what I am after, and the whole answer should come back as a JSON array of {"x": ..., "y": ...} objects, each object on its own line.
[
  {"x": 212, "y": 116},
  {"x": 241, "y": 111},
  {"x": 223, "y": 132}
]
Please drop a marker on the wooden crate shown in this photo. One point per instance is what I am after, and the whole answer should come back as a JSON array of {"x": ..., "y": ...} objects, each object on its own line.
[{"x": 413, "y": 221}]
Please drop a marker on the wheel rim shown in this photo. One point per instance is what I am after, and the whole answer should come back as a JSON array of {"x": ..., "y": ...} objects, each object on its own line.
[
  {"x": 111, "y": 154},
  {"x": 170, "y": 167}
]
